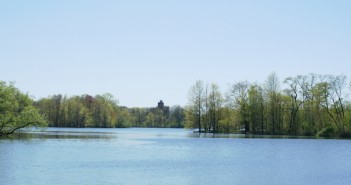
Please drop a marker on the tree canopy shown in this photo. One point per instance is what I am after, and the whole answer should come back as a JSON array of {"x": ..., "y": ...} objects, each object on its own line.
[
  {"x": 16, "y": 110},
  {"x": 103, "y": 111},
  {"x": 302, "y": 105}
]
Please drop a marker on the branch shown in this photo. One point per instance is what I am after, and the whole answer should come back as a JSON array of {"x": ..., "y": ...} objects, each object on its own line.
[
  {"x": 16, "y": 128},
  {"x": 4, "y": 124}
]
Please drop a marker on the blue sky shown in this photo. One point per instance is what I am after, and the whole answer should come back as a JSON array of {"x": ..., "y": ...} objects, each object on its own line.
[{"x": 144, "y": 51}]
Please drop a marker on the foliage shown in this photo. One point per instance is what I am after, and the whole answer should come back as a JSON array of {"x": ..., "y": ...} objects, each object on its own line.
[
  {"x": 16, "y": 110},
  {"x": 204, "y": 110},
  {"x": 327, "y": 132},
  {"x": 103, "y": 111},
  {"x": 309, "y": 104}
]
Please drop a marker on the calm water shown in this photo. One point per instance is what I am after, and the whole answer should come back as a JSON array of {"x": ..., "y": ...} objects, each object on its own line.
[{"x": 170, "y": 156}]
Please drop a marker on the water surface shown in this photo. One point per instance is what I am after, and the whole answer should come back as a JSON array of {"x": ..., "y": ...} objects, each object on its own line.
[{"x": 170, "y": 156}]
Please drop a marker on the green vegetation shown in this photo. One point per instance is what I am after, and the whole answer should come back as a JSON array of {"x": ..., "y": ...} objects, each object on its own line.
[
  {"x": 309, "y": 105},
  {"x": 16, "y": 110},
  {"x": 103, "y": 111}
]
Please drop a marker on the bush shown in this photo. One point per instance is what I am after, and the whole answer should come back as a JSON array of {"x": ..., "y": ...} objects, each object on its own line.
[{"x": 327, "y": 132}]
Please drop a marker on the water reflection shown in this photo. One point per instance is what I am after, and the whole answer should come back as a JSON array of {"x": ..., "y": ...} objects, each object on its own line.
[
  {"x": 59, "y": 135},
  {"x": 133, "y": 133},
  {"x": 169, "y": 156}
]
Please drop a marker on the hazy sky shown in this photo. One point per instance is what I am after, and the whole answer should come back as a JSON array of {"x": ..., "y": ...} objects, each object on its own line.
[{"x": 144, "y": 51}]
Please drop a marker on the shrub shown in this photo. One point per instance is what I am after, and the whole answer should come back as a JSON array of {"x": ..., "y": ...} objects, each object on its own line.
[{"x": 327, "y": 132}]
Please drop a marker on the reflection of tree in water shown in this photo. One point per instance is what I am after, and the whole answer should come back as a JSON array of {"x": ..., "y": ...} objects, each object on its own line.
[{"x": 60, "y": 135}]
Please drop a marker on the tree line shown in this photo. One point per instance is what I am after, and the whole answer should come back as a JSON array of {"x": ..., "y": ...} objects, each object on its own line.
[
  {"x": 302, "y": 105},
  {"x": 306, "y": 105},
  {"x": 103, "y": 111}
]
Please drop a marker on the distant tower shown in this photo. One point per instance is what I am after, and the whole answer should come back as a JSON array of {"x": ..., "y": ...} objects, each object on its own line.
[{"x": 161, "y": 105}]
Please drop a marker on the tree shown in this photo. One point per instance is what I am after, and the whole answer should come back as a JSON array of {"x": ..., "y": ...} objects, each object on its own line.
[
  {"x": 335, "y": 103},
  {"x": 228, "y": 122},
  {"x": 177, "y": 116},
  {"x": 194, "y": 110},
  {"x": 274, "y": 103},
  {"x": 312, "y": 96},
  {"x": 105, "y": 111},
  {"x": 215, "y": 100},
  {"x": 293, "y": 93},
  {"x": 256, "y": 109},
  {"x": 150, "y": 120},
  {"x": 238, "y": 99},
  {"x": 16, "y": 110},
  {"x": 138, "y": 117},
  {"x": 123, "y": 118}
]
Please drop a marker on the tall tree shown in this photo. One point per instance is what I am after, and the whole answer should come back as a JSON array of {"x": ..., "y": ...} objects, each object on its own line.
[
  {"x": 274, "y": 100},
  {"x": 238, "y": 99},
  {"x": 335, "y": 103},
  {"x": 215, "y": 100},
  {"x": 195, "y": 105},
  {"x": 256, "y": 109},
  {"x": 295, "y": 103}
]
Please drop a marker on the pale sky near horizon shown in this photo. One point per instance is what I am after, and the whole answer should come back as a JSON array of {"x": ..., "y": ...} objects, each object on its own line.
[{"x": 145, "y": 51}]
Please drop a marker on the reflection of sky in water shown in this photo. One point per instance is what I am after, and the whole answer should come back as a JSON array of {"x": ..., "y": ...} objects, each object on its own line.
[
  {"x": 169, "y": 156},
  {"x": 130, "y": 134}
]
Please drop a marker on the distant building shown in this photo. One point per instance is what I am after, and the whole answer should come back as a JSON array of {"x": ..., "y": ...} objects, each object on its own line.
[{"x": 161, "y": 106}]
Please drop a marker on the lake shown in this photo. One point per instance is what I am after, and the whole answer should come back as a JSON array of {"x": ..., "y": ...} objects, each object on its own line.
[{"x": 170, "y": 156}]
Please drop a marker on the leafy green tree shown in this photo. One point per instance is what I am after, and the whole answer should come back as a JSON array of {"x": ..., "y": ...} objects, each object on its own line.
[
  {"x": 138, "y": 116},
  {"x": 177, "y": 116},
  {"x": 150, "y": 120},
  {"x": 228, "y": 123},
  {"x": 16, "y": 110},
  {"x": 256, "y": 109},
  {"x": 124, "y": 118}
]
